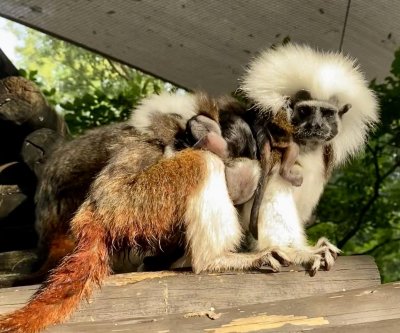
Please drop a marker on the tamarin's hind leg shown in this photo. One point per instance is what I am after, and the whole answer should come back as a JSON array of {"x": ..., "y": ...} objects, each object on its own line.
[
  {"x": 213, "y": 230},
  {"x": 313, "y": 258},
  {"x": 140, "y": 211},
  {"x": 278, "y": 214}
]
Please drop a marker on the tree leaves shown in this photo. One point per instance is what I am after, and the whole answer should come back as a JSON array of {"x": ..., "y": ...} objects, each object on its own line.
[{"x": 88, "y": 89}]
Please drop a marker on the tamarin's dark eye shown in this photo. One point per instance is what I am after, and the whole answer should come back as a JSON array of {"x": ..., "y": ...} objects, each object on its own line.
[
  {"x": 304, "y": 111},
  {"x": 327, "y": 112}
]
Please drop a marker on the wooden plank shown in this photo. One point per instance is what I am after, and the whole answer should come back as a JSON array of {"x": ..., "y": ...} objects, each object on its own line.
[
  {"x": 374, "y": 309},
  {"x": 381, "y": 326},
  {"x": 18, "y": 261},
  {"x": 150, "y": 294}
]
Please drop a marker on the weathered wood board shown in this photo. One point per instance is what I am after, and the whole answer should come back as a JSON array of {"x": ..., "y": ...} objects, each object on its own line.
[
  {"x": 17, "y": 261},
  {"x": 136, "y": 295},
  {"x": 375, "y": 309}
]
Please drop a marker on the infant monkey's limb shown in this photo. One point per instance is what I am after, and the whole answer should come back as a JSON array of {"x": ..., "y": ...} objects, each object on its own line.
[
  {"x": 208, "y": 135},
  {"x": 242, "y": 174},
  {"x": 274, "y": 133},
  {"x": 274, "y": 138},
  {"x": 242, "y": 178},
  {"x": 289, "y": 157}
]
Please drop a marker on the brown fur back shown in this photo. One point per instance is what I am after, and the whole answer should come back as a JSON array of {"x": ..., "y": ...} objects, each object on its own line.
[
  {"x": 139, "y": 209},
  {"x": 148, "y": 206}
]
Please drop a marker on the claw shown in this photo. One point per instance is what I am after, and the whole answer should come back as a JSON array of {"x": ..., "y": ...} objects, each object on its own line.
[
  {"x": 328, "y": 251},
  {"x": 275, "y": 265},
  {"x": 275, "y": 258},
  {"x": 335, "y": 254},
  {"x": 315, "y": 265},
  {"x": 281, "y": 257}
]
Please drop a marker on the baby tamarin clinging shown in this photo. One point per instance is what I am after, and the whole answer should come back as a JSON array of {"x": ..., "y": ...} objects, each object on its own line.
[
  {"x": 273, "y": 138},
  {"x": 219, "y": 128}
]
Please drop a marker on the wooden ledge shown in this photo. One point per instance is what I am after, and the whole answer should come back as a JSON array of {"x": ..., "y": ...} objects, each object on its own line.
[{"x": 137, "y": 295}]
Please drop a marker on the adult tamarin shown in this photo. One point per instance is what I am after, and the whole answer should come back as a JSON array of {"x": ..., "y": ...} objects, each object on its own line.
[
  {"x": 273, "y": 77},
  {"x": 74, "y": 164},
  {"x": 145, "y": 211},
  {"x": 279, "y": 141},
  {"x": 274, "y": 133}
]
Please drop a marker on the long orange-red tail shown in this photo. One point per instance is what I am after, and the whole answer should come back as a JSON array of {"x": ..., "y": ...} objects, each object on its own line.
[{"x": 68, "y": 283}]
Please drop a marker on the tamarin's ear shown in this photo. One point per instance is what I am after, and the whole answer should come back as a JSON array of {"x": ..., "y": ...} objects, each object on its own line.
[
  {"x": 344, "y": 109},
  {"x": 301, "y": 95}
]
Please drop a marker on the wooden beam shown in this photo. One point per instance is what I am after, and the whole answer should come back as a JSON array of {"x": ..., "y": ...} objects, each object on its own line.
[
  {"x": 136, "y": 295},
  {"x": 6, "y": 66},
  {"x": 375, "y": 309}
]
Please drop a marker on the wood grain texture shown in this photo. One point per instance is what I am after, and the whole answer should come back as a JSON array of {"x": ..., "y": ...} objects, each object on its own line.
[
  {"x": 375, "y": 309},
  {"x": 136, "y": 295}
]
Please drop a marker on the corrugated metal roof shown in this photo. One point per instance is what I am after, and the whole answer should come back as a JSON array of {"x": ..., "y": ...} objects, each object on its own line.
[{"x": 207, "y": 43}]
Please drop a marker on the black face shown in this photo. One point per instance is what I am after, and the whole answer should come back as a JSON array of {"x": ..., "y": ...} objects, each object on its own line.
[{"x": 315, "y": 121}]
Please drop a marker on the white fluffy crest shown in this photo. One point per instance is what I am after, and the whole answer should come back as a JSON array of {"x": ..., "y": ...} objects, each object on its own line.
[
  {"x": 165, "y": 103},
  {"x": 282, "y": 72}
]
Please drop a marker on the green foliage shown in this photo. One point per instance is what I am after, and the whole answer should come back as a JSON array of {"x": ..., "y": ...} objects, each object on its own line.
[
  {"x": 88, "y": 89},
  {"x": 360, "y": 207}
]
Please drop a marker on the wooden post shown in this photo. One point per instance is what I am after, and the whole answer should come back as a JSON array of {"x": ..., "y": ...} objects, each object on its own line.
[
  {"x": 28, "y": 128},
  {"x": 6, "y": 66}
]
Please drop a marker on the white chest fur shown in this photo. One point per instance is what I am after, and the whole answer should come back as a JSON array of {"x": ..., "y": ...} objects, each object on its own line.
[
  {"x": 286, "y": 208},
  {"x": 307, "y": 195}
]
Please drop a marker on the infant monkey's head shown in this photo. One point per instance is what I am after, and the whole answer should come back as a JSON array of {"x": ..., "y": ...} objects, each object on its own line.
[{"x": 315, "y": 120}]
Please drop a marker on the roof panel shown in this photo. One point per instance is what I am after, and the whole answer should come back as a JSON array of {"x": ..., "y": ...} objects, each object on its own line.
[
  {"x": 201, "y": 43},
  {"x": 373, "y": 35}
]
